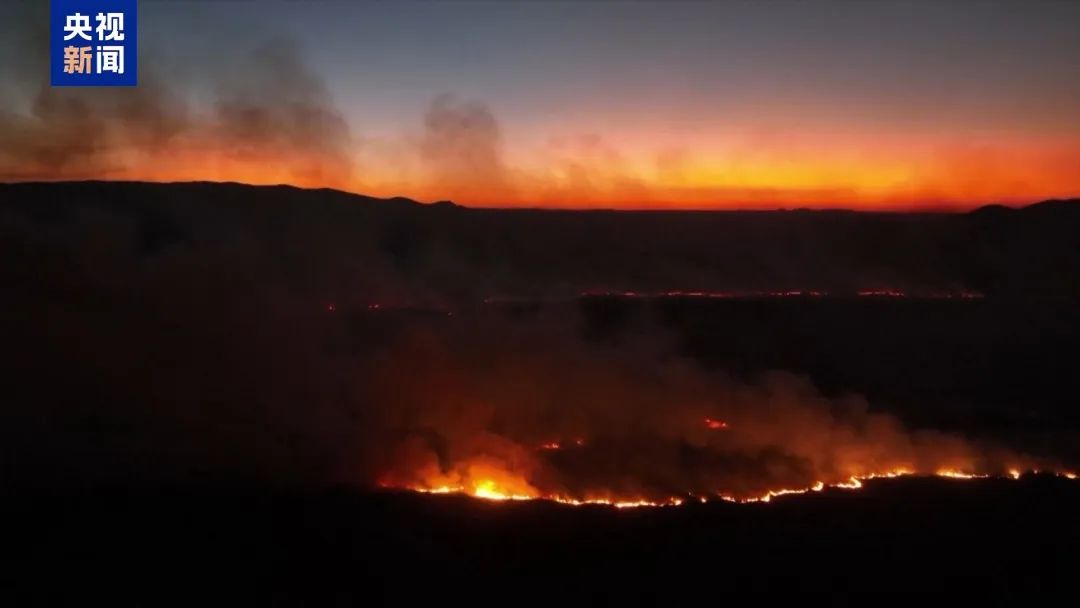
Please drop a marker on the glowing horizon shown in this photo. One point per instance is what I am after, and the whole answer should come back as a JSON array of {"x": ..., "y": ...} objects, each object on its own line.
[
  {"x": 879, "y": 106},
  {"x": 958, "y": 183}
]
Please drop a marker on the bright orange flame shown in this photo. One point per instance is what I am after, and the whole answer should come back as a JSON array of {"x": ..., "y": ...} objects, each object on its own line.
[
  {"x": 502, "y": 486},
  {"x": 954, "y": 474},
  {"x": 487, "y": 488}
]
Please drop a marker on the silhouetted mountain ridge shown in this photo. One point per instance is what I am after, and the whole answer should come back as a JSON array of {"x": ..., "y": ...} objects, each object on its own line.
[{"x": 400, "y": 250}]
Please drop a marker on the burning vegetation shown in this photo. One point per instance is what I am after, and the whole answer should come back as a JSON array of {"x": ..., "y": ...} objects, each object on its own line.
[
  {"x": 498, "y": 488},
  {"x": 368, "y": 356},
  {"x": 539, "y": 414}
]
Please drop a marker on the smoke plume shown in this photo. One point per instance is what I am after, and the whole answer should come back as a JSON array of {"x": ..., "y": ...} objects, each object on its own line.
[
  {"x": 189, "y": 333},
  {"x": 531, "y": 409},
  {"x": 461, "y": 149},
  {"x": 273, "y": 121}
]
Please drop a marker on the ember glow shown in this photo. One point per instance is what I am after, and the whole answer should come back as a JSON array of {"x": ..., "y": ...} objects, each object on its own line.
[
  {"x": 788, "y": 293},
  {"x": 952, "y": 474},
  {"x": 530, "y": 411},
  {"x": 795, "y": 294},
  {"x": 715, "y": 424},
  {"x": 490, "y": 489}
]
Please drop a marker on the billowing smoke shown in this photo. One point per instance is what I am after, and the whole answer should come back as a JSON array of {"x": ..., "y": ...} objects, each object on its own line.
[
  {"x": 263, "y": 114},
  {"x": 235, "y": 381},
  {"x": 90, "y": 134},
  {"x": 270, "y": 121},
  {"x": 281, "y": 111},
  {"x": 461, "y": 149},
  {"x": 532, "y": 409},
  {"x": 152, "y": 337}
]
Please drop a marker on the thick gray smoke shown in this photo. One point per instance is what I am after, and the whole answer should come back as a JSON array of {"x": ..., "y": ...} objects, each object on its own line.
[
  {"x": 461, "y": 148},
  {"x": 272, "y": 120},
  {"x": 186, "y": 333},
  {"x": 536, "y": 410}
]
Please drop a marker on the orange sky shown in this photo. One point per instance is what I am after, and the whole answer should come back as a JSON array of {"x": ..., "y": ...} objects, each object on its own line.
[
  {"x": 870, "y": 172},
  {"x": 578, "y": 105}
]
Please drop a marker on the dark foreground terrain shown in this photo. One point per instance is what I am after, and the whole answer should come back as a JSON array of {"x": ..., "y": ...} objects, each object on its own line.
[
  {"x": 251, "y": 546},
  {"x": 203, "y": 381}
]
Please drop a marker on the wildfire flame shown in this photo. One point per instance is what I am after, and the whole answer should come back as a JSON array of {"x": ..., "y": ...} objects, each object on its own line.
[
  {"x": 491, "y": 489},
  {"x": 630, "y": 429},
  {"x": 953, "y": 474},
  {"x": 715, "y": 424}
]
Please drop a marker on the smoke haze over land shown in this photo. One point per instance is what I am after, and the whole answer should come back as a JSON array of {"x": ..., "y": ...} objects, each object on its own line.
[
  {"x": 199, "y": 330},
  {"x": 609, "y": 302}
]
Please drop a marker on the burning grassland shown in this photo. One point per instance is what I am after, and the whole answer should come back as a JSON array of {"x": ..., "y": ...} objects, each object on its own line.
[
  {"x": 180, "y": 332},
  {"x": 536, "y": 413}
]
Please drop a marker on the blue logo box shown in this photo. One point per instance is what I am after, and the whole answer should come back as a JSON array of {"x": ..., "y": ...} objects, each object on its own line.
[{"x": 94, "y": 43}]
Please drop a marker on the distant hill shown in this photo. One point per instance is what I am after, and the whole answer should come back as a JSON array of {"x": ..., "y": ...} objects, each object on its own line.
[
  {"x": 399, "y": 250},
  {"x": 211, "y": 332}
]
